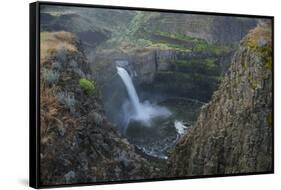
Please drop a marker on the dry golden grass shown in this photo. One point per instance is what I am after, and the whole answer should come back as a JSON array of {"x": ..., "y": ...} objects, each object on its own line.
[
  {"x": 52, "y": 113},
  {"x": 49, "y": 106},
  {"x": 260, "y": 41},
  {"x": 50, "y": 42},
  {"x": 254, "y": 37}
]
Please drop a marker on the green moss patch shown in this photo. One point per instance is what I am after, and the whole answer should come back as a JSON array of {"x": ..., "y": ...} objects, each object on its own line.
[
  {"x": 192, "y": 43},
  {"x": 87, "y": 86},
  {"x": 207, "y": 66},
  {"x": 182, "y": 78},
  {"x": 259, "y": 40}
]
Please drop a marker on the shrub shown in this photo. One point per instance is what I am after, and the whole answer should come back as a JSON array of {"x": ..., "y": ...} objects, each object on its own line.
[
  {"x": 56, "y": 66},
  {"x": 79, "y": 72},
  {"x": 67, "y": 100},
  {"x": 61, "y": 55},
  {"x": 73, "y": 64},
  {"x": 87, "y": 86},
  {"x": 51, "y": 77}
]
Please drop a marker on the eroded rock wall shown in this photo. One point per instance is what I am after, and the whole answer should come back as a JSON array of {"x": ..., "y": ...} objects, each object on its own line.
[
  {"x": 77, "y": 142},
  {"x": 233, "y": 133}
]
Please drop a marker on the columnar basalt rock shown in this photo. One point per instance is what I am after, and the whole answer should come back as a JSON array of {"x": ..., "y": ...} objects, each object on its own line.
[{"x": 233, "y": 133}]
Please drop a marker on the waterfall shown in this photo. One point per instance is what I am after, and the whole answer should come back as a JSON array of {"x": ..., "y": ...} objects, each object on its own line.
[
  {"x": 144, "y": 112},
  {"x": 130, "y": 88}
]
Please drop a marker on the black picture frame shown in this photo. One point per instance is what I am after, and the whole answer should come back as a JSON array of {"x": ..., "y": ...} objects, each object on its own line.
[{"x": 34, "y": 91}]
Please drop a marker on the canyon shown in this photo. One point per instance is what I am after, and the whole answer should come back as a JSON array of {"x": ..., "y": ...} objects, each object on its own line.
[{"x": 135, "y": 99}]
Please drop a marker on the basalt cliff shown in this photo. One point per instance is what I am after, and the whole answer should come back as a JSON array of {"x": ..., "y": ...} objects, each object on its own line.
[{"x": 233, "y": 133}]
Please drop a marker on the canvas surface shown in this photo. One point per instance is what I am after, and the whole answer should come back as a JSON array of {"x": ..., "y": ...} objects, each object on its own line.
[{"x": 142, "y": 95}]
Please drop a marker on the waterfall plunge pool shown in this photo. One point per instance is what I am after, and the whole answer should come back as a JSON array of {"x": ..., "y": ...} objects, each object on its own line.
[{"x": 155, "y": 128}]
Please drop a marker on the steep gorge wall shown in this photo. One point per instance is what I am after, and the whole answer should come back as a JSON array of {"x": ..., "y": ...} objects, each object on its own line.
[
  {"x": 213, "y": 28},
  {"x": 233, "y": 133},
  {"x": 77, "y": 142}
]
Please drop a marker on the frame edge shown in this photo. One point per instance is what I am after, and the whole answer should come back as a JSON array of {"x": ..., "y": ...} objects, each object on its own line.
[{"x": 33, "y": 121}]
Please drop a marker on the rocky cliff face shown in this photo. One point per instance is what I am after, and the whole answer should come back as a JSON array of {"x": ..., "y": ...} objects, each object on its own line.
[
  {"x": 78, "y": 144},
  {"x": 194, "y": 50},
  {"x": 214, "y": 29},
  {"x": 233, "y": 133}
]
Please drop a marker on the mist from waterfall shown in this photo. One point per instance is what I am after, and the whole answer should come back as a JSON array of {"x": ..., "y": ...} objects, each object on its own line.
[{"x": 142, "y": 112}]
